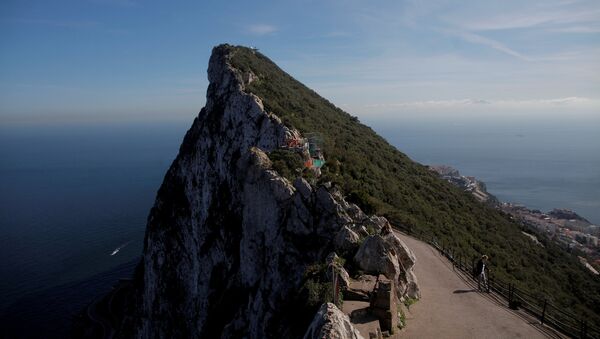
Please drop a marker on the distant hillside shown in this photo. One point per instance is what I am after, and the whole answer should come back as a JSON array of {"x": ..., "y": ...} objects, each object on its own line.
[{"x": 381, "y": 179}]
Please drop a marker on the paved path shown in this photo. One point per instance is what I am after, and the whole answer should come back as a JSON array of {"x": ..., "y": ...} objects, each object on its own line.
[
  {"x": 365, "y": 322},
  {"x": 451, "y": 308}
]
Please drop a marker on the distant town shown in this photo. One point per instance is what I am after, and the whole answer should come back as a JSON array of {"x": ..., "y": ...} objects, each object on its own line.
[{"x": 565, "y": 227}]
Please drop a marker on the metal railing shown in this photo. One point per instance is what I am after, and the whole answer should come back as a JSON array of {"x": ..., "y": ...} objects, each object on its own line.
[{"x": 541, "y": 308}]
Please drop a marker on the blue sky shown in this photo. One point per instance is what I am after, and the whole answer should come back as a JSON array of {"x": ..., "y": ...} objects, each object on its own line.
[{"x": 123, "y": 60}]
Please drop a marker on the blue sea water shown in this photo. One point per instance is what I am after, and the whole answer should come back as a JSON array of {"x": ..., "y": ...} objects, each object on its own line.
[
  {"x": 71, "y": 195},
  {"x": 541, "y": 164}
]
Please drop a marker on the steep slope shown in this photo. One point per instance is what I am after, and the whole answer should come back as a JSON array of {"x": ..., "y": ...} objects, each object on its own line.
[{"x": 381, "y": 179}]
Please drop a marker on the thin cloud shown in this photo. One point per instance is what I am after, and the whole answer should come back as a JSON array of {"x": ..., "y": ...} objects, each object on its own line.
[
  {"x": 510, "y": 22},
  {"x": 534, "y": 19},
  {"x": 261, "y": 29},
  {"x": 481, "y": 40}
]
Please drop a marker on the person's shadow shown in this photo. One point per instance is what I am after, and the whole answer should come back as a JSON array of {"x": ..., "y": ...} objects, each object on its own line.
[{"x": 464, "y": 291}]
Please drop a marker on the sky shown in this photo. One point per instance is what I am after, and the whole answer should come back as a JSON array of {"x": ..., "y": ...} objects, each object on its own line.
[{"x": 130, "y": 60}]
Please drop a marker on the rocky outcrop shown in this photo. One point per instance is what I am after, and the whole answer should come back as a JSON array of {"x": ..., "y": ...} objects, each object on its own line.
[
  {"x": 373, "y": 257},
  {"x": 346, "y": 240},
  {"x": 331, "y": 323},
  {"x": 406, "y": 281},
  {"x": 389, "y": 256},
  {"x": 228, "y": 238}
]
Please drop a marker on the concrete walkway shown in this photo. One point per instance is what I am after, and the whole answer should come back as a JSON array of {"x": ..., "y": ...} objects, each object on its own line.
[{"x": 451, "y": 308}]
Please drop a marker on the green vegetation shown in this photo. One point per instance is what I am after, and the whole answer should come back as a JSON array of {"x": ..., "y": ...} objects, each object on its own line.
[
  {"x": 409, "y": 301},
  {"x": 317, "y": 287},
  {"x": 381, "y": 179},
  {"x": 287, "y": 163},
  {"x": 401, "y": 317},
  {"x": 340, "y": 261}
]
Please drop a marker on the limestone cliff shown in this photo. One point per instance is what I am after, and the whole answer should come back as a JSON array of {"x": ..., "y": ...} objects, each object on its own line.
[{"x": 229, "y": 239}]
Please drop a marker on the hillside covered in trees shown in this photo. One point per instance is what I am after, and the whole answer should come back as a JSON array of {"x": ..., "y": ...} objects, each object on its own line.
[{"x": 383, "y": 180}]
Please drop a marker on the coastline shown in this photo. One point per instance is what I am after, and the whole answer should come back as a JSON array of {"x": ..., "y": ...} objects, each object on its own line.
[{"x": 565, "y": 227}]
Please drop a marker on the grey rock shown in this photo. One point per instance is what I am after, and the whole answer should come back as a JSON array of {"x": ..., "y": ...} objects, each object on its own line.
[
  {"x": 228, "y": 239},
  {"x": 389, "y": 256},
  {"x": 376, "y": 222},
  {"x": 374, "y": 258},
  {"x": 356, "y": 213},
  {"x": 333, "y": 265},
  {"x": 303, "y": 187},
  {"x": 406, "y": 283},
  {"x": 331, "y": 323},
  {"x": 346, "y": 240}
]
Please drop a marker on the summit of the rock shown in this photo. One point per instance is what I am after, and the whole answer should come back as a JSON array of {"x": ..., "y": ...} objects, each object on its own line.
[{"x": 233, "y": 248}]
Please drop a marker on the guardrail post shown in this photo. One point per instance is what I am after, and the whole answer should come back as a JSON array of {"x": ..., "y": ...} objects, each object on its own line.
[
  {"x": 453, "y": 262},
  {"x": 544, "y": 311},
  {"x": 510, "y": 287},
  {"x": 489, "y": 282}
]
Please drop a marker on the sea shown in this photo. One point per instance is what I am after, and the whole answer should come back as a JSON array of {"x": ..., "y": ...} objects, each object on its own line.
[
  {"x": 74, "y": 198},
  {"x": 542, "y": 164}
]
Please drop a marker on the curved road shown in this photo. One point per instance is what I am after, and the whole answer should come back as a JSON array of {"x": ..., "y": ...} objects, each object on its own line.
[{"x": 450, "y": 308}]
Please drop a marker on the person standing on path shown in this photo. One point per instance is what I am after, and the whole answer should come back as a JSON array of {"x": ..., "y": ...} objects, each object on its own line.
[{"x": 482, "y": 282}]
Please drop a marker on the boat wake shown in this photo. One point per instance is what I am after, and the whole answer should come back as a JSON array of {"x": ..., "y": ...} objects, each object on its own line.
[{"x": 119, "y": 248}]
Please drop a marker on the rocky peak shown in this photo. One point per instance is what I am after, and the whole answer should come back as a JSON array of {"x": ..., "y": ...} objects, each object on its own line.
[{"x": 229, "y": 239}]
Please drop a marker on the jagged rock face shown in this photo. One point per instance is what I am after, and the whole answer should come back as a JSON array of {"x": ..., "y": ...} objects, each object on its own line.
[
  {"x": 228, "y": 239},
  {"x": 331, "y": 323},
  {"x": 346, "y": 240},
  {"x": 388, "y": 255},
  {"x": 373, "y": 257},
  {"x": 406, "y": 281}
]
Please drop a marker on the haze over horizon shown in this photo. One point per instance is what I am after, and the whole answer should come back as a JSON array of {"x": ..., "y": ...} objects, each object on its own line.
[
  {"x": 127, "y": 60},
  {"x": 105, "y": 158}
]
